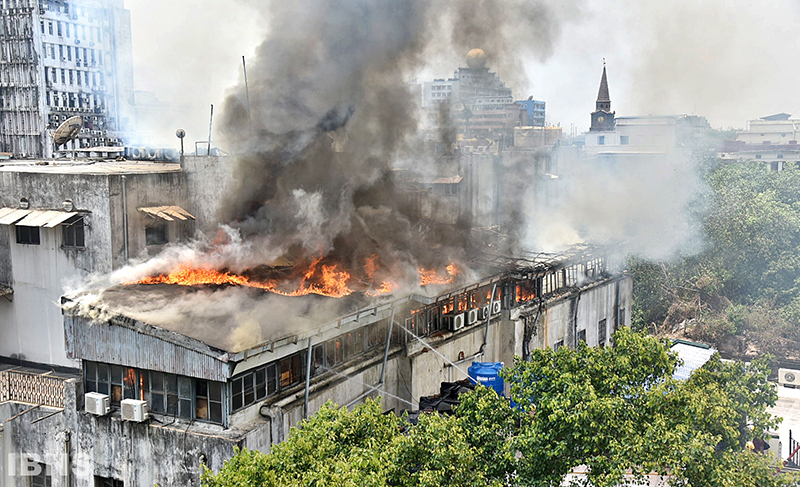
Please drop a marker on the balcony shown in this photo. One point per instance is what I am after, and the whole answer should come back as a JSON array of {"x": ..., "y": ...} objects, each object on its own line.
[{"x": 32, "y": 386}]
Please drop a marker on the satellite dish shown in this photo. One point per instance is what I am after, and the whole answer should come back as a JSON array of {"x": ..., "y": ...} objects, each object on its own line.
[{"x": 68, "y": 130}]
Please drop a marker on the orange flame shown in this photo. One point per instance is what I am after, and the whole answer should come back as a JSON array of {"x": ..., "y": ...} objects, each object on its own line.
[
  {"x": 524, "y": 294},
  {"x": 431, "y": 276}
]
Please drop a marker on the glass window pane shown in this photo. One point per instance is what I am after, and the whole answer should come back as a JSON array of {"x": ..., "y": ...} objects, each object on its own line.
[
  {"x": 102, "y": 387},
  {"x": 185, "y": 409},
  {"x": 91, "y": 386},
  {"x": 249, "y": 396},
  {"x": 157, "y": 402},
  {"x": 102, "y": 373},
  {"x": 171, "y": 383},
  {"x": 201, "y": 388},
  {"x": 248, "y": 382},
  {"x": 144, "y": 386},
  {"x": 272, "y": 379},
  {"x": 216, "y": 412},
  {"x": 91, "y": 371},
  {"x": 215, "y": 391},
  {"x": 116, "y": 374},
  {"x": 261, "y": 384},
  {"x": 237, "y": 401},
  {"x": 172, "y": 404},
  {"x": 185, "y": 388},
  {"x": 116, "y": 393},
  {"x": 157, "y": 381}
]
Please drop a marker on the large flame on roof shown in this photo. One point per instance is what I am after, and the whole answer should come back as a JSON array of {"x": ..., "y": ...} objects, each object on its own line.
[{"x": 325, "y": 279}]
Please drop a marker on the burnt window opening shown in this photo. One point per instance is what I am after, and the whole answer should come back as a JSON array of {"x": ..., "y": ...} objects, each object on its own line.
[
  {"x": 601, "y": 332},
  {"x": 73, "y": 232},
  {"x": 156, "y": 234},
  {"x": 28, "y": 235},
  {"x": 39, "y": 476},
  {"x": 208, "y": 401},
  {"x": 107, "y": 482}
]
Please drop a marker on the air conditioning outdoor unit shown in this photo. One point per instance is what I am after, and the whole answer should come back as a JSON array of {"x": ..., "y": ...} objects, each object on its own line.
[
  {"x": 472, "y": 316},
  {"x": 789, "y": 377},
  {"x": 483, "y": 312},
  {"x": 495, "y": 307},
  {"x": 134, "y": 410},
  {"x": 97, "y": 404},
  {"x": 454, "y": 322}
]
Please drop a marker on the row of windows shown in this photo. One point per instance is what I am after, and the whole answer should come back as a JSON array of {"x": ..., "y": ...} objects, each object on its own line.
[
  {"x": 73, "y": 233},
  {"x": 169, "y": 394},
  {"x": 78, "y": 31},
  {"x": 270, "y": 379},
  {"x": 65, "y": 53},
  {"x": 74, "y": 77}
]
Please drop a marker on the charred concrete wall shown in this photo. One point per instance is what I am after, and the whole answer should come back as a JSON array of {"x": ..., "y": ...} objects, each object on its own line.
[{"x": 84, "y": 446}]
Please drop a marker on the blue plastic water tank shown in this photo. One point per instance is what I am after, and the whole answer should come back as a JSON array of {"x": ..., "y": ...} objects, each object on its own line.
[{"x": 488, "y": 374}]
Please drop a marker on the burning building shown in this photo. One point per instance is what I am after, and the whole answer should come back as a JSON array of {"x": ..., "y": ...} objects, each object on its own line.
[{"x": 209, "y": 387}]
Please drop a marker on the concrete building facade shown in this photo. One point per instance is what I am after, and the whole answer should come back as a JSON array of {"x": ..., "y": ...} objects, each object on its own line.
[
  {"x": 769, "y": 140},
  {"x": 61, "y": 59},
  {"x": 207, "y": 397}
]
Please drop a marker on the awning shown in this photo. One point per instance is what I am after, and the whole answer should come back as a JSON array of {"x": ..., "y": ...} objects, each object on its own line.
[
  {"x": 168, "y": 213},
  {"x": 34, "y": 218}
]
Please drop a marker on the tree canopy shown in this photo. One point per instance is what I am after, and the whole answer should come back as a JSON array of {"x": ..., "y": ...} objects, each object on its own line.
[{"x": 613, "y": 410}]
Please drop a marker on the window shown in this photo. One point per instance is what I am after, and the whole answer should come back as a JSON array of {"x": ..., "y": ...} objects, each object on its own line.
[
  {"x": 208, "y": 400},
  {"x": 72, "y": 232},
  {"x": 775, "y": 165},
  {"x": 558, "y": 345},
  {"x": 156, "y": 234},
  {"x": 624, "y": 140},
  {"x": 601, "y": 140},
  {"x": 582, "y": 336},
  {"x": 28, "y": 235},
  {"x": 38, "y": 474},
  {"x": 621, "y": 321},
  {"x": 601, "y": 332},
  {"x": 758, "y": 156},
  {"x": 780, "y": 156},
  {"x": 107, "y": 482}
]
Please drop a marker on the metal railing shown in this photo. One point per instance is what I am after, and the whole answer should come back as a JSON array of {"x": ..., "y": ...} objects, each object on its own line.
[
  {"x": 29, "y": 388},
  {"x": 794, "y": 453}
]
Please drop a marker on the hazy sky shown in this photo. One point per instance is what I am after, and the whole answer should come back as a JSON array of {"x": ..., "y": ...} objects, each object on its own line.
[{"x": 730, "y": 60}]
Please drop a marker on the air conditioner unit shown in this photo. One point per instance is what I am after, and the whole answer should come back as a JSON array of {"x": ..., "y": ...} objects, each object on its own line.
[
  {"x": 454, "y": 322},
  {"x": 134, "y": 410},
  {"x": 472, "y": 316},
  {"x": 97, "y": 404},
  {"x": 483, "y": 312},
  {"x": 789, "y": 377},
  {"x": 495, "y": 307}
]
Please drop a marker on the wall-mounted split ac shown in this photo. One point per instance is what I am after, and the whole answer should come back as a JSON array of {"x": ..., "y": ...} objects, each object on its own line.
[
  {"x": 483, "y": 312},
  {"x": 472, "y": 316},
  {"x": 96, "y": 403},
  {"x": 454, "y": 322},
  {"x": 495, "y": 307},
  {"x": 789, "y": 377},
  {"x": 134, "y": 410}
]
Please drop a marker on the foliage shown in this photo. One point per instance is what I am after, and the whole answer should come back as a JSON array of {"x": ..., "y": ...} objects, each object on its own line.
[
  {"x": 614, "y": 410},
  {"x": 744, "y": 288}
]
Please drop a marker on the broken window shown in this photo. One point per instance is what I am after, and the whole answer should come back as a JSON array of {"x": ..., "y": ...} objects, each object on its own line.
[
  {"x": 73, "y": 232},
  {"x": 601, "y": 332},
  {"x": 208, "y": 400},
  {"x": 107, "y": 482},
  {"x": 39, "y": 475},
  {"x": 28, "y": 235},
  {"x": 156, "y": 234},
  {"x": 582, "y": 336}
]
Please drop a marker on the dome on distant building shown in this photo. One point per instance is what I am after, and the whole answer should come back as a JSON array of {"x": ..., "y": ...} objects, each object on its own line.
[{"x": 476, "y": 59}]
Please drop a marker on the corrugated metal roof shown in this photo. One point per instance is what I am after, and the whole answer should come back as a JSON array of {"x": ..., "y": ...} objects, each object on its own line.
[
  {"x": 46, "y": 218},
  {"x": 9, "y": 216},
  {"x": 167, "y": 213},
  {"x": 694, "y": 356}
]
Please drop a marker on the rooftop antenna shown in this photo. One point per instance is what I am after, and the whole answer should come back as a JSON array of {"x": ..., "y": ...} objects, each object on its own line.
[
  {"x": 180, "y": 133},
  {"x": 67, "y": 131},
  {"x": 247, "y": 91},
  {"x": 210, "y": 122}
]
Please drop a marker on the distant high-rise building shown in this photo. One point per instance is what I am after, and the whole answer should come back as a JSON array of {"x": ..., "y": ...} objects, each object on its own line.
[{"x": 60, "y": 59}]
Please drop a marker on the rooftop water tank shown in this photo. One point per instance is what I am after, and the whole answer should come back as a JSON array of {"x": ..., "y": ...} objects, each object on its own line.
[{"x": 488, "y": 374}]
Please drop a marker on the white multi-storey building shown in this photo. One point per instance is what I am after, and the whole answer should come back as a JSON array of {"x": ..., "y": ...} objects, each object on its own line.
[{"x": 60, "y": 59}]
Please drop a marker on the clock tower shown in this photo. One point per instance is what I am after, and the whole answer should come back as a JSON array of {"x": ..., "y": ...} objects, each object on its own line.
[{"x": 602, "y": 116}]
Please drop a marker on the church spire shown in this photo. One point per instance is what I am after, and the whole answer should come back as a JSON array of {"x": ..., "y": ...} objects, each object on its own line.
[
  {"x": 603, "y": 98},
  {"x": 602, "y": 116}
]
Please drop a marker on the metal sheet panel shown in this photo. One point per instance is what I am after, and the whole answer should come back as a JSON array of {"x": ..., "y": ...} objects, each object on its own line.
[
  {"x": 14, "y": 216},
  {"x": 167, "y": 213},
  {"x": 120, "y": 345},
  {"x": 41, "y": 218}
]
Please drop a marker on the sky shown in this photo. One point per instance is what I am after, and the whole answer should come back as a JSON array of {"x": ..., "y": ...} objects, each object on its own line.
[{"x": 728, "y": 60}]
